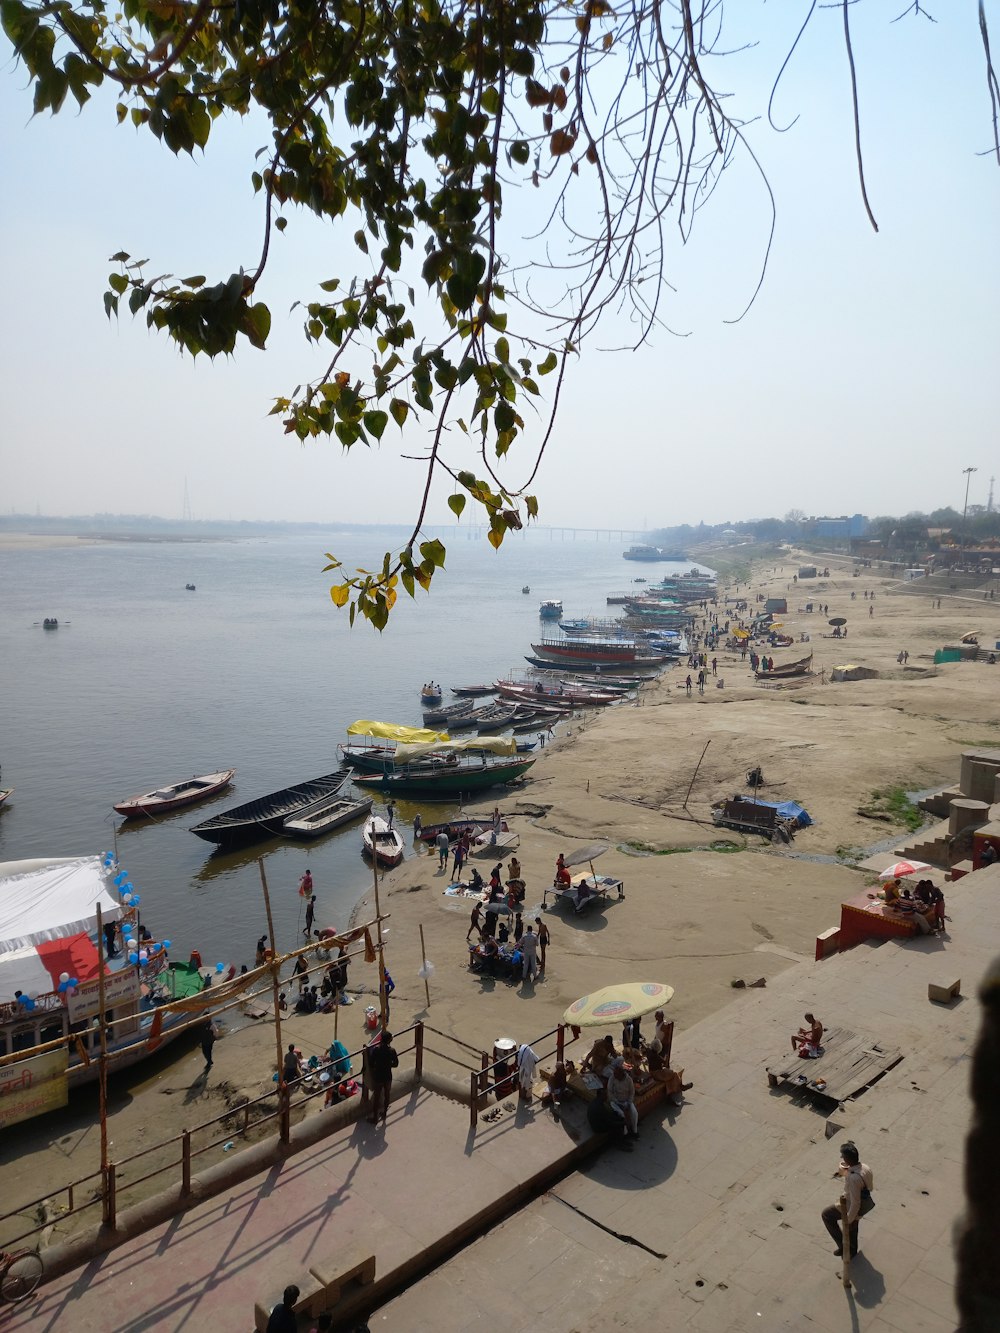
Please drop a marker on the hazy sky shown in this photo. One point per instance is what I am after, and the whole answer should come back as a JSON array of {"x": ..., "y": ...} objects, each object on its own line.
[{"x": 864, "y": 378}]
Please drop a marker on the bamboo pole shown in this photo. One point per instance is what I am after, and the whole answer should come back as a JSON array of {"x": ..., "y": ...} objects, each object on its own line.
[
  {"x": 275, "y": 969},
  {"x": 107, "y": 1208},
  {"x": 383, "y": 999},
  {"x": 846, "y": 1243},
  {"x": 423, "y": 955},
  {"x": 695, "y": 774}
]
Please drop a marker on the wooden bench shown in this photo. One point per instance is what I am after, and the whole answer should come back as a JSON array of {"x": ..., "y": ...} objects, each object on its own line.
[
  {"x": 944, "y": 994},
  {"x": 849, "y": 1064},
  {"x": 323, "y": 1286}
]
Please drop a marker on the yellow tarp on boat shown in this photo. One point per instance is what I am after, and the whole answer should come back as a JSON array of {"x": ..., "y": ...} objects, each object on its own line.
[{"x": 391, "y": 731}]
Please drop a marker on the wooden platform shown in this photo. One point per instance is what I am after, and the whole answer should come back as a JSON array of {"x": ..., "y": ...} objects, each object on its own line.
[{"x": 850, "y": 1064}]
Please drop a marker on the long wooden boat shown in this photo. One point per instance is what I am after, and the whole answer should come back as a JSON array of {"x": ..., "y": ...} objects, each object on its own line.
[
  {"x": 495, "y": 717},
  {"x": 600, "y": 650},
  {"x": 437, "y": 717},
  {"x": 265, "y": 817},
  {"x": 802, "y": 667},
  {"x": 447, "y": 780},
  {"x": 453, "y": 827},
  {"x": 165, "y": 799},
  {"x": 4, "y": 793},
  {"x": 367, "y": 757},
  {"x": 614, "y": 672},
  {"x": 381, "y": 842},
  {"x": 555, "y": 697},
  {"x": 473, "y": 691},
  {"x": 324, "y": 816}
]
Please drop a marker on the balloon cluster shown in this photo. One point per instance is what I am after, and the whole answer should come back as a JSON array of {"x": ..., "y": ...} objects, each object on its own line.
[{"x": 67, "y": 983}]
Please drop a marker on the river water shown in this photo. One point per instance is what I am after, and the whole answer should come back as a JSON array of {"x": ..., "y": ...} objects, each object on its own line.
[{"x": 145, "y": 683}]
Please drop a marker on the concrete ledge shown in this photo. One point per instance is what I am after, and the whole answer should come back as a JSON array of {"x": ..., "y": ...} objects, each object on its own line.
[{"x": 944, "y": 994}]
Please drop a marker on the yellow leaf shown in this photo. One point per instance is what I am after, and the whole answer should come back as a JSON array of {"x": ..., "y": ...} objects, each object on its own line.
[
  {"x": 495, "y": 538},
  {"x": 340, "y": 593}
]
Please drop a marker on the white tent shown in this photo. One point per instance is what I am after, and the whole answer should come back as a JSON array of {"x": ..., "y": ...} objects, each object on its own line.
[{"x": 48, "y": 899}]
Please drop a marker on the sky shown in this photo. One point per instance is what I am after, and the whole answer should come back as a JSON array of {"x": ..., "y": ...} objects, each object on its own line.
[{"x": 864, "y": 377}]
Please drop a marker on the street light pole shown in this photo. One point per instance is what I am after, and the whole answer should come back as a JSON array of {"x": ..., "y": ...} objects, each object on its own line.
[{"x": 968, "y": 471}]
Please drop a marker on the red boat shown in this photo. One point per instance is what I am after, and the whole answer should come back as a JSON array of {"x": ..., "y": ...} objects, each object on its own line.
[{"x": 165, "y": 799}]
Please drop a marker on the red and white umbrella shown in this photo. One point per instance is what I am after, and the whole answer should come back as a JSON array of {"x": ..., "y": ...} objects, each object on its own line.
[{"x": 904, "y": 869}]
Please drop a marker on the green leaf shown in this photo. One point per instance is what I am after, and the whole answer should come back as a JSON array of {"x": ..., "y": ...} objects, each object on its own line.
[
  {"x": 257, "y": 324},
  {"x": 456, "y": 503},
  {"x": 400, "y": 411},
  {"x": 118, "y": 282},
  {"x": 281, "y": 223},
  {"x": 520, "y": 151},
  {"x": 434, "y": 552},
  {"x": 376, "y": 422},
  {"x": 503, "y": 350},
  {"x": 549, "y": 364}
]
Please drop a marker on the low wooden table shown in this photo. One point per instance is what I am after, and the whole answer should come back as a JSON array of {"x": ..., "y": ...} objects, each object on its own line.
[
  {"x": 600, "y": 888},
  {"x": 850, "y": 1064}
]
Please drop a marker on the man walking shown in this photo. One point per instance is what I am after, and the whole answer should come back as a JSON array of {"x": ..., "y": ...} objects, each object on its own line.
[
  {"x": 858, "y": 1182},
  {"x": 208, "y": 1036},
  {"x": 528, "y": 945},
  {"x": 476, "y": 922},
  {"x": 442, "y": 845}
]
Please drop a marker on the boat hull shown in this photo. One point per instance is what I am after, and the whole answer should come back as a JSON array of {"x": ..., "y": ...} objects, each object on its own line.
[
  {"x": 447, "y": 783},
  {"x": 185, "y": 793},
  {"x": 265, "y": 817},
  {"x": 324, "y": 817}
]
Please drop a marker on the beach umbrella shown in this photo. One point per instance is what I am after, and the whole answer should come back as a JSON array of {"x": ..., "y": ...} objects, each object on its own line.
[
  {"x": 499, "y": 909},
  {"x": 904, "y": 869},
  {"x": 581, "y": 856},
  {"x": 617, "y": 1004},
  {"x": 837, "y": 620}
]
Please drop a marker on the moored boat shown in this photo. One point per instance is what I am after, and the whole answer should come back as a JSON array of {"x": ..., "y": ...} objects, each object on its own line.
[
  {"x": 177, "y": 795},
  {"x": 50, "y": 964},
  {"x": 430, "y": 694},
  {"x": 445, "y": 717},
  {"x": 453, "y": 827},
  {"x": 265, "y": 817},
  {"x": 550, "y": 610},
  {"x": 381, "y": 842},
  {"x": 453, "y": 778},
  {"x": 496, "y": 717},
  {"x": 4, "y": 793},
  {"x": 325, "y": 815},
  {"x": 473, "y": 691}
]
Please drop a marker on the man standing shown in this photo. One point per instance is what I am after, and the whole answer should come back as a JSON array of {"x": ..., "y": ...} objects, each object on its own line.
[
  {"x": 621, "y": 1097},
  {"x": 282, "y": 1318},
  {"x": 390, "y": 813},
  {"x": 527, "y": 1060},
  {"x": 544, "y": 939},
  {"x": 858, "y": 1181},
  {"x": 441, "y": 841},
  {"x": 208, "y": 1036},
  {"x": 456, "y": 874},
  {"x": 310, "y": 915},
  {"x": 528, "y": 945},
  {"x": 382, "y": 1060}
]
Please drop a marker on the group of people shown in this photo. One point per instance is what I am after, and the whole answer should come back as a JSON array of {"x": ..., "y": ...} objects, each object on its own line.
[
  {"x": 613, "y": 1108},
  {"x": 924, "y": 906}
]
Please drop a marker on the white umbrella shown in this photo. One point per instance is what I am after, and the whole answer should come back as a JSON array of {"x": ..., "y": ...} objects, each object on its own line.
[{"x": 904, "y": 869}]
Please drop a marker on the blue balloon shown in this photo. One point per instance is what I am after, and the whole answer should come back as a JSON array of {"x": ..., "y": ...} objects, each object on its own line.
[
  {"x": 220, "y": 967},
  {"x": 62, "y": 987},
  {"x": 133, "y": 957},
  {"x": 129, "y": 885},
  {"x": 136, "y": 900},
  {"x": 120, "y": 878},
  {"x": 167, "y": 944},
  {"x": 73, "y": 982}
]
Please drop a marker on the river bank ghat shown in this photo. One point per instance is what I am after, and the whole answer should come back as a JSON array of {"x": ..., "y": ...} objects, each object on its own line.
[{"x": 702, "y": 907}]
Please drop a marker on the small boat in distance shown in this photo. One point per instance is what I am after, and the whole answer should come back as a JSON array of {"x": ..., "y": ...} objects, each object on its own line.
[
  {"x": 473, "y": 691},
  {"x": 165, "y": 799},
  {"x": 430, "y": 695},
  {"x": 526, "y": 588},
  {"x": 383, "y": 843},
  {"x": 265, "y": 817},
  {"x": 550, "y": 610},
  {"x": 324, "y": 815},
  {"x": 189, "y": 587},
  {"x": 50, "y": 622}
]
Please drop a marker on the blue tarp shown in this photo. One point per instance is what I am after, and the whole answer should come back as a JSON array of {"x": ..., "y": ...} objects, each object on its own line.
[{"x": 789, "y": 810}]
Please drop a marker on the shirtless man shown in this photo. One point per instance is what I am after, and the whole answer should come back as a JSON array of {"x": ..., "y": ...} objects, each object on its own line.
[{"x": 810, "y": 1036}]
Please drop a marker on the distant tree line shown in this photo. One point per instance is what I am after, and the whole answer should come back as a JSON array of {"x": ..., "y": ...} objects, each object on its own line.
[{"x": 904, "y": 531}]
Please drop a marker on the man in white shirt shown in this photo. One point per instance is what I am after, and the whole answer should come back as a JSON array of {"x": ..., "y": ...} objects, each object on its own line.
[
  {"x": 529, "y": 953},
  {"x": 621, "y": 1097},
  {"x": 858, "y": 1181}
]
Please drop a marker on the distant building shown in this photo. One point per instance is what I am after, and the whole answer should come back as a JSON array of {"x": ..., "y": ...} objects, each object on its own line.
[{"x": 846, "y": 527}]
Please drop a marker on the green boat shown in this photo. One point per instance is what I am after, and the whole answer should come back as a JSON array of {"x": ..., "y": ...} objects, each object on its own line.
[{"x": 447, "y": 779}]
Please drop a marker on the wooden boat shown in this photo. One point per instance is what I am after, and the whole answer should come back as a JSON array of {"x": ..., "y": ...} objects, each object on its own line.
[
  {"x": 551, "y": 610},
  {"x": 324, "y": 816},
  {"x": 442, "y": 717},
  {"x": 495, "y": 717},
  {"x": 165, "y": 799},
  {"x": 369, "y": 758},
  {"x": 526, "y": 588},
  {"x": 381, "y": 842},
  {"x": 265, "y": 817},
  {"x": 4, "y": 793},
  {"x": 473, "y": 691},
  {"x": 486, "y": 844},
  {"x": 50, "y": 622},
  {"x": 448, "y": 780},
  {"x": 430, "y": 695},
  {"x": 783, "y": 670},
  {"x": 453, "y": 827},
  {"x": 562, "y": 697},
  {"x": 571, "y": 668}
]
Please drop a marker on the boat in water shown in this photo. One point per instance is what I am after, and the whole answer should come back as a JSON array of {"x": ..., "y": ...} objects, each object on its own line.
[
  {"x": 381, "y": 842},
  {"x": 174, "y": 797},
  {"x": 550, "y": 610},
  {"x": 430, "y": 695},
  {"x": 325, "y": 815},
  {"x": 450, "y": 777},
  {"x": 265, "y": 817},
  {"x": 473, "y": 691},
  {"x": 652, "y": 553},
  {"x": 5, "y": 792},
  {"x": 50, "y": 965}
]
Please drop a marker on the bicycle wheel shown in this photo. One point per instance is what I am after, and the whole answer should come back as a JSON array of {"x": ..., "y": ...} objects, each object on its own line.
[{"x": 21, "y": 1275}]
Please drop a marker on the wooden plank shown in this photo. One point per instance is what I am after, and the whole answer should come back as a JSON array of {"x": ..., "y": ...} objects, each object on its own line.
[{"x": 851, "y": 1063}]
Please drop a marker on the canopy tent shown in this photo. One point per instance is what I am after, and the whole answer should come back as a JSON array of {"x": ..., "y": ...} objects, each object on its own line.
[
  {"x": 48, "y": 899},
  {"x": 406, "y": 754},
  {"x": 617, "y": 1004},
  {"x": 36, "y": 969},
  {"x": 391, "y": 731}
]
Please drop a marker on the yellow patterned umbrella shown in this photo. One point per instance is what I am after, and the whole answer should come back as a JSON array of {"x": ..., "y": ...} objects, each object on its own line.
[{"x": 617, "y": 1004}]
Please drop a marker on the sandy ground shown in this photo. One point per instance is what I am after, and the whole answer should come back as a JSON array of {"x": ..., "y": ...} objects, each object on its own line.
[
  {"x": 30, "y": 541},
  {"x": 702, "y": 907}
]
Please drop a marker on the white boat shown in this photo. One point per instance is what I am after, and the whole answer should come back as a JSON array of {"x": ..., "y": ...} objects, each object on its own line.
[
  {"x": 48, "y": 940},
  {"x": 383, "y": 843},
  {"x": 329, "y": 813}
]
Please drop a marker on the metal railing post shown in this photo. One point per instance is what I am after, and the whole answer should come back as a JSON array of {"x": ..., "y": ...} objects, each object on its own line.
[
  {"x": 474, "y": 1078},
  {"x": 560, "y": 1040},
  {"x": 284, "y": 1115},
  {"x": 186, "y": 1161},
  {"x": 109, "y": 1211},
  {"x": 418, "y": 1049},
  {"x": 365, "y": 1087}
]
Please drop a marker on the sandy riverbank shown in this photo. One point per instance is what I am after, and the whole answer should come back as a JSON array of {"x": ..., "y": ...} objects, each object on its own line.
[
  {"x": 702, "y": 907},
  {"x": 31, "y": 541}
]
